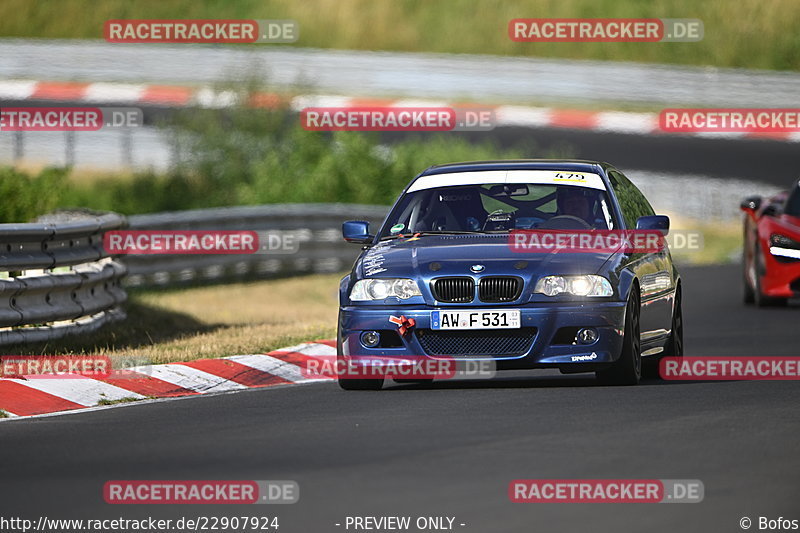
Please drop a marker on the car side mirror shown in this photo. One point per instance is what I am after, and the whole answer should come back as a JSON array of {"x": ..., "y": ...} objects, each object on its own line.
[
  {"x": 770, "y": 211},
  {"x": 653, "y": 223},
  {"x": 357, "y": 231},
  {"x": 750, "y": 204}
]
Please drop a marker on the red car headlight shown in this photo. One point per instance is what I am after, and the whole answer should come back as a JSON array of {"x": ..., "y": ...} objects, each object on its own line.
[{"x": 783, "y": 246}]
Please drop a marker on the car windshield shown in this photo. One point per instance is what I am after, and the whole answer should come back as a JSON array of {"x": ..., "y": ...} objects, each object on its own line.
[
  {"x": 793, "y": 202},
  {"x": 499, "y": 207}
]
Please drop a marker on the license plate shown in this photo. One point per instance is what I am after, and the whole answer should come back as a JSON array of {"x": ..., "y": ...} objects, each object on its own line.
[{"x": 491, "y": 319}]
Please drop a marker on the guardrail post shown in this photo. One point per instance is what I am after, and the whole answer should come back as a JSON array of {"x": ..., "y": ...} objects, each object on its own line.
[
  {"x": 69, "y": 148},
  {"x": 19, "y": 146},
  {"x": 127, "y": 147}
]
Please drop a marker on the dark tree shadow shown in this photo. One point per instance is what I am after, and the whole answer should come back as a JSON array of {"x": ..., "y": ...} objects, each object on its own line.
[{"x": 145, "y": 325}]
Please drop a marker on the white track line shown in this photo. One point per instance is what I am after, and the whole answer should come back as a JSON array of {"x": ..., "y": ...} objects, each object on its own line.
[
  {"x": 313, "y": 349},
  {"x": 642, "y": 123},
  {"x": 207, "y": 97},
  {"x": 319, "y": 100},
  {"x": 113, "y": 92},
  {"x": 83, "y": 391},
  {"x": 274, "y": 366},
  {"x": 422, "y": 103},
  {"x": 189, "y": 378},
  {"x": 89, "y": 392},
  {"x": 17, "y": 89},
  {"x": 535, "y": 117},
  {"x": 506, "y": 115}
]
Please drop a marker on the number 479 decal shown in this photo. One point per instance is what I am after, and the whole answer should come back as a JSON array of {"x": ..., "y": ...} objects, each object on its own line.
[{"x": 569, "y": 176}]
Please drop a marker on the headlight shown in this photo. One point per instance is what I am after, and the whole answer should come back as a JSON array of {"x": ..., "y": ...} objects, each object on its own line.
[
  {"x": 782, "y": 241},
  {"x": 587, "y": 285},
  {"x": 783, "y": 246},
  {"x": 380, "y": 289}
]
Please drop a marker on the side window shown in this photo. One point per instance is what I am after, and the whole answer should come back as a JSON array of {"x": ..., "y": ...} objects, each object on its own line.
[
  {"x": 793, "y": 202},
  {"x": 631, "y": 201}
]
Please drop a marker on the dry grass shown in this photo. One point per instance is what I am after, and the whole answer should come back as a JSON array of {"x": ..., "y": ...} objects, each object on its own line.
[
  {"x": 207, "y": 322},
  {"x": 721, "y": 241},
  {"x": 85, "y": 176}
]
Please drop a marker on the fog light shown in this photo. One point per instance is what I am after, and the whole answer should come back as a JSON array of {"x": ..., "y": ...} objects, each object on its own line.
[
  {"x": 370, "y": 339},
  {"x": 587, "y": 335}
]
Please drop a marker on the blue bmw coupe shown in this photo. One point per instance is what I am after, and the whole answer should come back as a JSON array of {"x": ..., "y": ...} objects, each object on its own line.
[{"x": 442, "y": 277}]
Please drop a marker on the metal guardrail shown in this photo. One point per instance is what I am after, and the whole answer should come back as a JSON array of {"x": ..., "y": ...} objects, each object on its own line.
[
  {"x": 317, "y": 228},
  {"x": 409, "y": 75},
  {"x": 56, "y": 279}
]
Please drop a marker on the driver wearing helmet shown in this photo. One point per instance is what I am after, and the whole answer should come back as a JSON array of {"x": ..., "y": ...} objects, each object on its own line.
[{"x": 575, "y": 201}]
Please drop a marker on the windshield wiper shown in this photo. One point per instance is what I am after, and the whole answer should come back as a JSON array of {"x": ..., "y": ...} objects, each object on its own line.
[{"x": 431, "y": 232}]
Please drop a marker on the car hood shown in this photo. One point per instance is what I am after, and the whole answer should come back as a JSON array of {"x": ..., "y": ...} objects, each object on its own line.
[
  {"x": 791, "y": 223},
  {"x": 444, "y": 255}
]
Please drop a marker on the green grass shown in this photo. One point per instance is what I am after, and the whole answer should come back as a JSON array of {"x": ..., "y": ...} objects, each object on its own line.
[
  {"x": 741, "y": 33},
  {"x": 27, "y": 196},
  {"x": 228, "y": 164},
  {"x": 3, "y": 414}
]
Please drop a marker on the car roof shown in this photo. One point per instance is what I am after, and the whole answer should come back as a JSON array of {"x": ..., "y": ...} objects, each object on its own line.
[
  {"x": 511, "y": 171},
  {"x": 574, "y": 165}
]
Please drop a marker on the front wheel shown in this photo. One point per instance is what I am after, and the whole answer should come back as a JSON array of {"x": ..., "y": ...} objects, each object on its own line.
[
  {"x": 674, "y": 345},
  {"x": 748, "y": 273},
  {"x": 628, "y": 368},
  {"x": 762, "y": 300},
  {"x": 361, "y": 384},
  {"x": 355, "y": 383}
]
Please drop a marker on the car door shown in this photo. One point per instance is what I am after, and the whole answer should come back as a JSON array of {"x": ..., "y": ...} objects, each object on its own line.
[{"x": 653, "y": 270}]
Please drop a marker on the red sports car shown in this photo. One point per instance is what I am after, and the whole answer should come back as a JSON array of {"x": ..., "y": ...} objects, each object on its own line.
[{"x": 772, "y": 248}]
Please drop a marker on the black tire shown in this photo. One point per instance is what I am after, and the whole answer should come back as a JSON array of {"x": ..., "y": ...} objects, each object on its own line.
[
  {"x": 357, "y": 384},
  {"x": 674, "y": 344},
  {"x": 354, "y": 384},
  {"x": 628, "y": 368},
  {"x": 758, "y": 296},
  {"x": 421, "y": 381},
  {"x": 361, "y": 384},
  {"x": 748, "y": 295}
]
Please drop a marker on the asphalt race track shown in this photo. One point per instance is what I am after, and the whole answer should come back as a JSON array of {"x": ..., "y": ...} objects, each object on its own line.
[
  {"x": 765, "y": 160},
  {"x": 451, "y": 449}
]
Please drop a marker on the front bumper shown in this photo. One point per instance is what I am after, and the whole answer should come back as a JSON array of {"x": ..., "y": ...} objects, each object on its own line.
[
  {"x": 783, "y": 277},
  {"x": 546, "y": 349}
]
